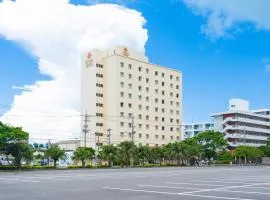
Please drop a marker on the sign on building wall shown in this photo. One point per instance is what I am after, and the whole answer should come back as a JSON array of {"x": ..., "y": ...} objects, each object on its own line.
[{"x": 89, "y": 60}]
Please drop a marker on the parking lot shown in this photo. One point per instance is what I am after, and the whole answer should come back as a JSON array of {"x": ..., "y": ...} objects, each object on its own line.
[{"x": 235, "y": 183}]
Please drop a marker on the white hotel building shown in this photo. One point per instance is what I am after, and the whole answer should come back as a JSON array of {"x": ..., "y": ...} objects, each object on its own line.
[
  {"x": 242, "y": 126},
  {"x": 137, "y": 100}
]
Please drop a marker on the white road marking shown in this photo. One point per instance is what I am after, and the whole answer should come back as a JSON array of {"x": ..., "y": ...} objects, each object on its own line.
[
  {"x": 175, "y": 183},
  {"x": 172, "y": 193},
  {"x": 165, "y": 186},
  {"x": 247, "y": 192},
  {"x": 236, "y": 182}
]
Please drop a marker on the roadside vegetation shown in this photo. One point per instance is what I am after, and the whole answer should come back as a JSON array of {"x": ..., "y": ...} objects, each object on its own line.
[{"x": 207, "y": 148}]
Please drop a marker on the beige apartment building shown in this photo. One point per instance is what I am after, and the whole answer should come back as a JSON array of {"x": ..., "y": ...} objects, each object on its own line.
[{"x": 125, "y": 98}]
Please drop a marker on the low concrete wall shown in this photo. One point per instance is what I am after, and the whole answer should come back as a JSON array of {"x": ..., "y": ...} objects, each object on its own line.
[{"x": 266, "y": 161}]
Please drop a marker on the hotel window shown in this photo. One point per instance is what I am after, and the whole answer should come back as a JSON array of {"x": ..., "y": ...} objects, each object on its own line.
[
  {"x": 177, "y": 137},
  {"x": 140, "y": 135},
  {"x": 177, "y": 129},
  {"x": 156, "y": 109},
  {"x": 122, "y": 114},
  {"x": 156, "y": 100},
  {"x": 99, "y": 124},
  {"x": 140, "y": 116},
  {"x": 99, "y": 104},
  {"x": 162, "y": 119},
  {"x": 147, "y": 80},
  {"x": 163, "y": 93},
  {"x": 140, "y": 97},
  {"x": 171, "y": 137},
  {"x": 140, "y": 78},
  {"x": 162, "y": 83},
  {"x": 171, "y": 85},
  {"x": 147, "y": 107},
  {"x": 130, "y": 95},
  {"x": 122, "y": 74},
  {"x": 147, "y": 89},
  {"x": 147, "y": 98},
  {"x": 171, "y": 102},
  {"x": 130, "y": 66},
  {"x": 156, "y": 82},
  {"x": 140, "y": 126},
  {"x": 122, "y": 84},
  {"x": 140, "y": 69},
  {"x": 177, "y": 112},
  {"x": 156, "y": 73},
  {"x": 156, "y": 137},
  {"x": 140, "y": 88},
  {"x": 99, "y": 66},
  {"x": 163, "y": 110},
  {"x": 171, "y": 111},
  {"x": 147, "y": 136},
  {"x": 140, "y": 107},
  {"x": 171, "y": 77},
  {"x": 129, "y": 125},
  {"x": 163, "y": 101},
  {"x": 99, "y": 95},
  {"x": 177, "y": 78},
  {"x": 163, "y": 137},
  {"x": 156, "y": 127},
  {"x": 177, "y": 121},
  {"x": 147, "y": 117},
  {"x": 177, "y": 103},
  {"x": 156, "y": 118},
  {"x": 171, "y": 120},
  {"x": 171, "y": 129},
  {"x": 99, "y": 75},
  {"x": 177, "y": 87},
  {"x": 163, "y": 128},
  {"x": 99, "y": 85},
  {"x": 156, "y": 91},
  {"x": 122, "y": 104},
  {"x": 130, "y": 76},
  {"x": 122, "y": 94},
  {"x": 122, "y": 124},
  {"x": 129, "y": 115},
  {"x": 99, "y": 114},
  {"x": 129, "y": 85},
  {"x": 171, "y": 94},
  {"x": 177, "y": 95},
  {"x": 129, "y": 105},
  {"x": 147, "y": 71},
  {"x": 162, "y": 75},
  {"x": 147, "y": 127},
  {"x": 121, "y": 64}
]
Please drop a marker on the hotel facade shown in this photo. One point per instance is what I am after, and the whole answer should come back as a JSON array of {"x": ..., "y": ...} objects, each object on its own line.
[{"x": 126, "y": 98}]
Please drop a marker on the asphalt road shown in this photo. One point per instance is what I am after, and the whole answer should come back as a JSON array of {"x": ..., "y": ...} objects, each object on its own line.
[{"x": 232, "y": 183}]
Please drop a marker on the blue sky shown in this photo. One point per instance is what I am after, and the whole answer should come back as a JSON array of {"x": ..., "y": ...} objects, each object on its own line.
[{"x": 214, "y": 68}]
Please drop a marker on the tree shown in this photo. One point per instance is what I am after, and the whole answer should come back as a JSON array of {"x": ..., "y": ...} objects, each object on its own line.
[
  {"x": 143, "y": 154},
  {"x": 18, "y": 151},
  {"x": 212, "y": 142},
  {"x": 179, "y": 150},
  {"x": 83, "y": 154},
  {"x": 251, "y": 153},
  {"x": 108, "y": 153},
  {"x": 126, "y": 151},
  {"x": 158, "y": 153},
  {"x": 55, "y": 153},
  {"x": 194, "y": 150}
]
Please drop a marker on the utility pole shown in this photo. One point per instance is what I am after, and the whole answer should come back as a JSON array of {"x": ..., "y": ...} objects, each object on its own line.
[
  {"x": 109, "y": 135},
  {"x": 85, "y": 127},
  {"x": 132, "y": 127}
]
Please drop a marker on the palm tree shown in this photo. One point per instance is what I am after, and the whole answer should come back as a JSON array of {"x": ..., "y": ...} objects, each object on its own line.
[
  {"x": 126, "y": 151},
  {"x": 83, "y": 154},
  {"x": 179, "y": 150},
  {"x": 55, "y": 153},
  {"x": 158, "y": 153},
  {"x": 109, "y": 153},
  {"x": 143, "y": 154}
]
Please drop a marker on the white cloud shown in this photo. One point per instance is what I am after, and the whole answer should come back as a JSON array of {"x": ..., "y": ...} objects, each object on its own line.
[
  {"x": 224, "y": 16},
  {"x": 56, "y": 32}
]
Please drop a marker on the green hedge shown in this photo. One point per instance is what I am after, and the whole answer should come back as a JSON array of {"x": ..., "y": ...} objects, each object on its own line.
[{"x": 25, "y": 167}]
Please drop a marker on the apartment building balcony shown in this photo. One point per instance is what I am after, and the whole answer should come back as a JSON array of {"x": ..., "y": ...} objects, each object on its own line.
[{"x": 245, "y": 120}]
